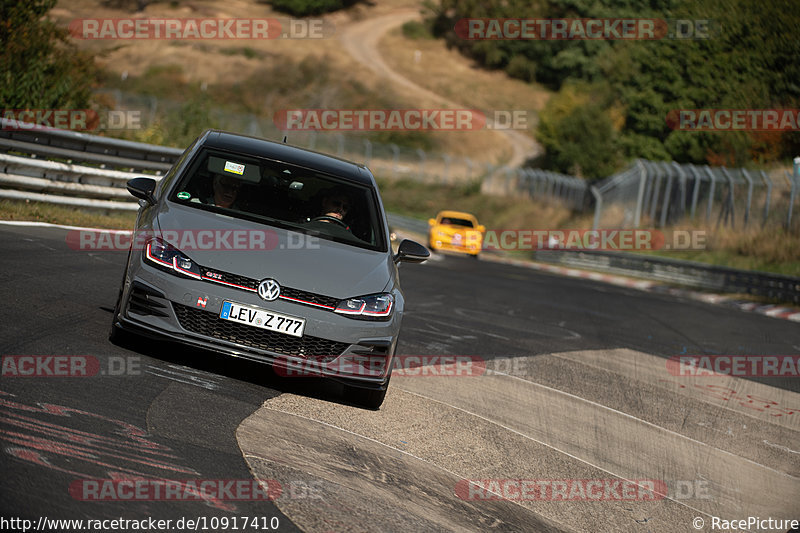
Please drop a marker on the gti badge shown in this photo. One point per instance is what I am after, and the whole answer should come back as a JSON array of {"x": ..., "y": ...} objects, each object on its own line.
[{"x": 269, "y": 289}]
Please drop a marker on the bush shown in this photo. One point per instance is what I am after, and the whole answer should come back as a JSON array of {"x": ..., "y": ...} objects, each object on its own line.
[
  {"x": 304, "y": 8},
  {"x": 39, "y": 67},
  {"x": 578, "y": 134},
  {"x": 414, "y": 29}
]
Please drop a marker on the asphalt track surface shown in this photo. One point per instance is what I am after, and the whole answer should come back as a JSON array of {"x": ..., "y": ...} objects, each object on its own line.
[{"x": 576, "y": 387}]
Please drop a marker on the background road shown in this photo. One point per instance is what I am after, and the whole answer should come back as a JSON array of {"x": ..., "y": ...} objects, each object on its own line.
[{"x": 576, "y": 388}]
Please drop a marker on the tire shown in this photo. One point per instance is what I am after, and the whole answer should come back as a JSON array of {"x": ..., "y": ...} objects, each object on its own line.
[
  {"x": 369, "y": 398},
  {"x": 116, "y": 335}
]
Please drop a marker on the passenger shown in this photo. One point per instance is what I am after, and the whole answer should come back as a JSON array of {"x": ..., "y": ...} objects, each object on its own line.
[{"x": 226, "y": 190}]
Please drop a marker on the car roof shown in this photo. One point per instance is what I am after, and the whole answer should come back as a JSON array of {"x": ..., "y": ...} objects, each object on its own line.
[
  {"x": 455, "y": 214},
  {"x": 287, "y": 153}
]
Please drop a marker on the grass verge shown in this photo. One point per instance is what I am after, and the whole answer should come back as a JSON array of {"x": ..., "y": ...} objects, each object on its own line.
[{"x": 55, "y": 214}]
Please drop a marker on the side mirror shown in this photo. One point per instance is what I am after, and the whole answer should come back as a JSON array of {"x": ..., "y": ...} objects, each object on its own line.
[
  {"x": 431, "y": 221},
  {"x": 412, "y": 252},
  {"x": 143, "y": 188},
  {"x": 481, "y": 228}
]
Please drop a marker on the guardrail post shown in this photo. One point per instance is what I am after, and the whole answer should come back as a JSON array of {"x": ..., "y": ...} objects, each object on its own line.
[
  {"x": 793, "y": 183},
  {"x": 470, "y": 166},
  {"x": 710, "y": 192},
  {"x": 729, "y": 208},
  {"x": 768, "y": 183},
  {"x": 792, "y": 195},
  {"x": 667, "y": 195},
  {"x": 598, "y": 206},
  {"x": 656, "y": 190},
  {"x": 573, "y": 194},
  {"x": 637, "y": 217},
  {"x": 422, "y": 156},
  {"x": 697, "y": 177},
  {"x": 538, "y": 181},
  {"x": 682, "y": 187},
  {"x": 367, "y": 152},
  {"x": 749, "y": 196},
  {"x": 648, "y": 186},
  {"x": 522, "y": 180},
  {"x": 446, "y": 158}
]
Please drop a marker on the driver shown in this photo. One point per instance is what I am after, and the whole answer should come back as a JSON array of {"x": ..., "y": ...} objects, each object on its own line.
[{"x": 335, "y": 205}]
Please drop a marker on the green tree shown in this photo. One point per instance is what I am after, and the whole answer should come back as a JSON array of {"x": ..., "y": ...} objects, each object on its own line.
[
  {"x": 39, "y": 67},
  {"x": 578, "y": 134},
  {"x": 748, "y": 61}
]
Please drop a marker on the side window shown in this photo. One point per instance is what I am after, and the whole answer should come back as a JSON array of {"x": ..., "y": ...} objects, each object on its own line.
[{"x": 168, "y": 177}]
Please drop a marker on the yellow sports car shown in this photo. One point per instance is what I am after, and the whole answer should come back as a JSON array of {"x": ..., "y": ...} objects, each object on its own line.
[{"x": 455, "y": 231}]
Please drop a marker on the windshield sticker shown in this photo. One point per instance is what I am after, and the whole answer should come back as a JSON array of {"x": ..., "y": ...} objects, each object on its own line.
[
  {"x": 183, "y": 195},
  {"x": 235, "y": 168}
]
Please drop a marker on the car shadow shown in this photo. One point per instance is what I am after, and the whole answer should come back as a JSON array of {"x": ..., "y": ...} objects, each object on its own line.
[{"x": 261, "y": 375}]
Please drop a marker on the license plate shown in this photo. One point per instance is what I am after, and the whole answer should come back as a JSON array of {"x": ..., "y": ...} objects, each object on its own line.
[{"x": 261, "y": 318}]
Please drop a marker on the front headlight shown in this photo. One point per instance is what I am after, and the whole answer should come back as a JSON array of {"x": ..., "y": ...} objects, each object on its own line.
[
  {"x": 170, "y": 258},
  {"x": 371, "y": 307}
]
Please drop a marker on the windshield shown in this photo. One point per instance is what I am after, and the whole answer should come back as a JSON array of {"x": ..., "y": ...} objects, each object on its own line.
[
  {"x": 280, "y": 194},
  {"x": 450, "y": 221}
]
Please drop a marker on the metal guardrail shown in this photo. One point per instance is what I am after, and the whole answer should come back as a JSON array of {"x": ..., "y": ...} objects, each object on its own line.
[
  {"x": 85, "y": 148},
  {"x": 23, "y": 178},
  {"x": 688, "y": 273}
]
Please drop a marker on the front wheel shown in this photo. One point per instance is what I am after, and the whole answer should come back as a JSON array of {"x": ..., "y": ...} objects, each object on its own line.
[
  {"x": 369, "y": 398},
  {"x": 117, "y": 335}
]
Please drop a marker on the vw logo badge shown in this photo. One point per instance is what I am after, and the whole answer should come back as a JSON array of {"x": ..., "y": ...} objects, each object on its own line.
[{"x": 269, "y": 289}]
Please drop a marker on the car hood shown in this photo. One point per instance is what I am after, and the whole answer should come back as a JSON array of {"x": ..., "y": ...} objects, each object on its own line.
[{"x": 260, "y": 251}]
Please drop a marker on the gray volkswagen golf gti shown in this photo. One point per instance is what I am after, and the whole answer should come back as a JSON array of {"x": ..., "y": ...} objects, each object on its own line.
[{"x": 269, "y": 252}]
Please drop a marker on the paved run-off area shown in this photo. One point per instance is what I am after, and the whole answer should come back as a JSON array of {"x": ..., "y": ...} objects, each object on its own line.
[{"x": 721, "y": 446}]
